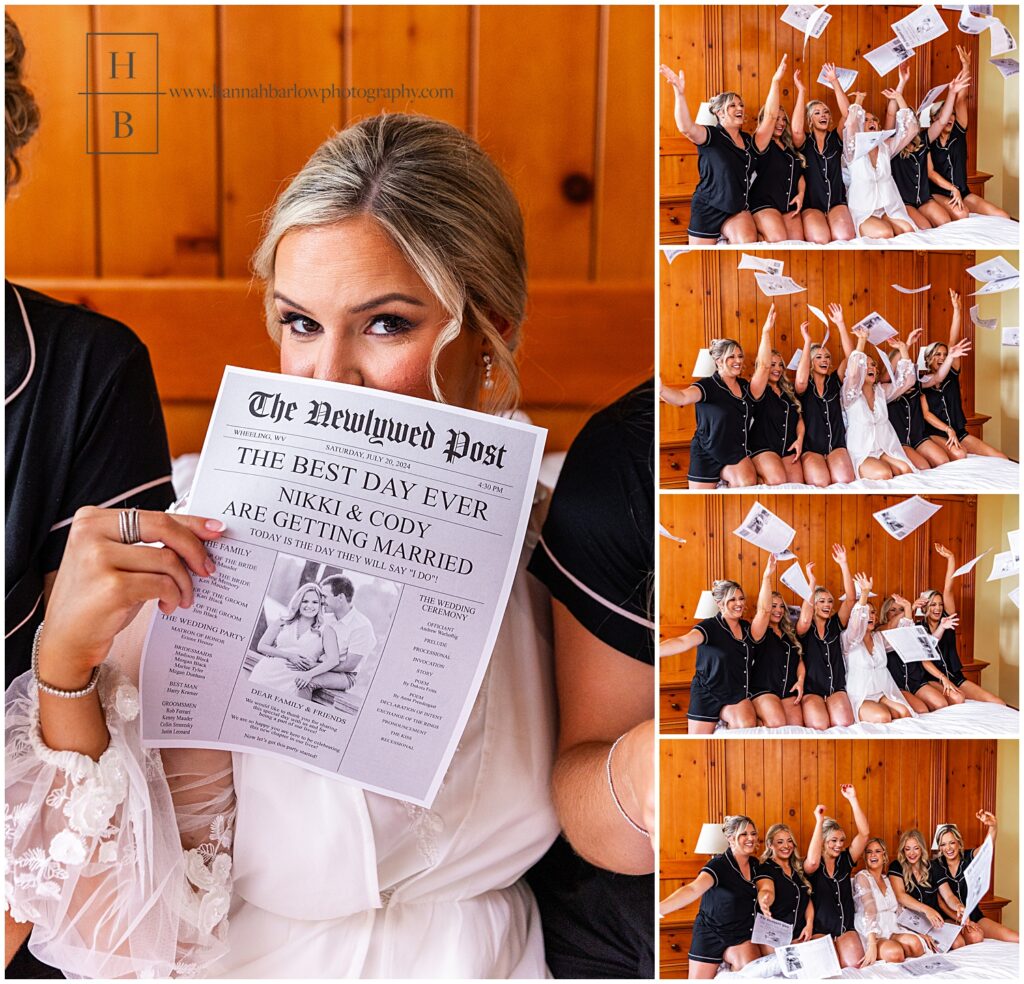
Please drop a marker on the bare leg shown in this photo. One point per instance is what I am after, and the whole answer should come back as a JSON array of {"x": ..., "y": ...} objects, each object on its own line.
[
  {"x": 936, "y": 687},
  {"x": 975, "y": 203},
  {"x": 919, "y": 706},
  {"x": 699, "y": 971},
  {"x": 794, "y": 226},
  {"x": 895, "y": 708},
  {"x": 769, "y": 710},
  {"x": 917, "y": 460},
  {"x": 918, "y": 218},
  {"x": 741, "y": 475},
  {"x": 815, "y": 470},
  {"x": 768, "y": 465},
  {"x": 849, "y": 949},
  {"x": 973, "y": 692},
  {"x": 873, "y": 711},
  {"x": 741, "y": 954},
  {"x": 890, "y": 951},
  {"x": 975, "y": 445},
  {"x": 951, "y": 209},
  {"x": 741, "y": 715},
  {"x": 934, "y": 212},
  {"x": 700, "y": 727},
  {"x": 898, "y": 226},
  {"x": 997, "y": 931},
  {"x": 840, "y": 467},
  {"x": 794, "y": 715},
  {"x": 701, "y": 485},
  {"x": 875, "y": 228},
  {"x": 794, "y": 470},
  {"x": 932, "y": 697},
  {"x": 840, "y": 713},
  {"x": 840, "y": 222},
  {"x": 740, "y": 228},
  {"x": 898, "y": 467},
  {"x": 911, "y": 944},
  {"x": 816, "y": 228},
  {"x": 874, "y": 468},
  {"x": 769, "y": 223},
  {"x": 955, "y": 454},
  {"x": 699, "y": 241},
  {"x": 815, "y": 712},
  {"x": 932, "y": 451}
]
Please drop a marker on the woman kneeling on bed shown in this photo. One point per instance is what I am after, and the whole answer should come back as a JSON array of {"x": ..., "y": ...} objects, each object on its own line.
[
  {"x": 829, "y": 868},
  {"x": 783, "y": 891},
  {"x": 726, "y": 887},
  {"x": 950, "y": 861}
]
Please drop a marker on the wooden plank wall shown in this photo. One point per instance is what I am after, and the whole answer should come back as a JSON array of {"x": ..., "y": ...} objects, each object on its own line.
[
  {"x": 900, "y": 783},
  {"x": 737, "y": 48},
  {"x": 705, "y": 296},
  {"x": 712, "y": 551},
  {"x": 189, "y": 217}
]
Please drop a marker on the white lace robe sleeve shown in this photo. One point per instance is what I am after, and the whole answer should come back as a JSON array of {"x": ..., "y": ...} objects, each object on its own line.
[
  {"x": 907, "y": 127},
  {"x": 854, "y": 125},
  {"x": 123, "y": 864},
  {"x": 853, "y": 381},
  {"x": 906, "y": 373},
  {"x": 866, "y": 909},
  {"x": 856, "y": 627}
]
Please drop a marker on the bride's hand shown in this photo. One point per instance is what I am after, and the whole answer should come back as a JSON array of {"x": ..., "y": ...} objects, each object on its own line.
[{"x": 102, "y": 583}]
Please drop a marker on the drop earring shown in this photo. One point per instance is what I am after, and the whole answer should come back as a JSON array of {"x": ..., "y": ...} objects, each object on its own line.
[{"x": 488, "y": 360}]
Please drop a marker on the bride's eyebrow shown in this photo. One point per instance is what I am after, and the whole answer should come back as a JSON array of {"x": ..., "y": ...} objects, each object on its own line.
[{"x": 359, "y": 308}]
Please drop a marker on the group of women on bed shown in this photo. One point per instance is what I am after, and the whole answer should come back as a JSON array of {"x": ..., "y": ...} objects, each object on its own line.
[
  {"x": 832, "y": 667},
  {"x": 827, "y": 425},
  {"x": 800, "y": 179},
  {"x": 821, "y": 895}
]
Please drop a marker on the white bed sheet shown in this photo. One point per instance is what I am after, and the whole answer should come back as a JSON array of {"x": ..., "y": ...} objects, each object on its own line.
[
  {"x": 972, "y": 719},
  {"x": 988, "y": 960},
  {"x": 975, "y": 473}
]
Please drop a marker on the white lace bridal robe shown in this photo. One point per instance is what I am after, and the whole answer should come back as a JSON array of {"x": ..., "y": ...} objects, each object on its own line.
[
  {"x": 874, "y": 911},
  {"x": 872, "y": 190},
  {"x": 280, "y": 872},
  {"x": 867, "y": 674},
  {"x": 868, "y": 431}
]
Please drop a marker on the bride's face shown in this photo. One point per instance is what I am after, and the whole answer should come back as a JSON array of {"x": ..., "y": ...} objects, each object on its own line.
[
  {"x": 310, "y": 604},
  {"x": 354, "y": 311}
]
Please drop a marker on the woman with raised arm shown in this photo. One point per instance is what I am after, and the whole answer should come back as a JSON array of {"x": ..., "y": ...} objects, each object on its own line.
[
  {"x": 910, "y": 876},
  {"x": 873, "y": 445},
  {"x": 778, "y": 678},
  {"x": 777, "y": 436},
  {"x": 783, "y": 891},
  {"x": 720, "y": 206},
  {"x": 876, "y": 207},
  {"x": 824, "y": 458},
  {"x": 951, "y": 860},
  {"x": 725, "y": 661},
  {"x": 911, "y": 166},
  {"x": 829, "y": 867},
  {"x": 948, "y": 171},
  {"x": 913, "y": 678},
  {"x": 726, "y": 888},
  {"x": 906, "y": 413},
  {"x": 724, "y": 403},
  {"x": 876, "y": 909},
  {"x": 777, "y": 195},
  {"x": 825, "y": 703},
  {"x": 941, "y": 620},
  {"x": 873, "y": 693},
  {"x": 826, "y": 216},
  {"x": 942, "y": 403}
]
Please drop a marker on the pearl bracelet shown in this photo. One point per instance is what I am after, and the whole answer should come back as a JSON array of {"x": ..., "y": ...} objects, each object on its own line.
[
  {"x": 615, "y": 796},
  {"x": 55, "y": 691}
]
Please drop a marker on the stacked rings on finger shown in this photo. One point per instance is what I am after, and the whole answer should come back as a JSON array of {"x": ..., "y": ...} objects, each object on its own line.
[{"x": 128, "y": 524}]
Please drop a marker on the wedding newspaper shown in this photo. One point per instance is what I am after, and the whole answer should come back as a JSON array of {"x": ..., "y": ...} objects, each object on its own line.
[{"x": 371, "y": 545}]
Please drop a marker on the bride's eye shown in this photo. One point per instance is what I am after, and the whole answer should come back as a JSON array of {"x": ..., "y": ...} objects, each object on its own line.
[
  {"x": 388, "y": 324},
  {"x": 299, "y": 324}
]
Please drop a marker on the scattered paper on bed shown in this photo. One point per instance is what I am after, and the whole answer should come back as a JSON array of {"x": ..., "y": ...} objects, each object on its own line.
[
  {"x": 911, "y": 290},
  {"x": 794, "y": 579},
  {"x": 704, "y": 115},
  {"x": 889, "y": 56},
  {"x": 665, "y": 533},
  {"x": 982, "y": 322},
  {"x": 1011, "y": 337},
  {"x": 902, "y": 519},
  {"x": 970, "y": 24},
  {"x": 814, "y": 960},
  {"x": 771, "y": 932},
  {"x": 912, "y": 643},
  {"x": 762, "y": 263},
  {"x": 876, "y": 326},
  {"x": 928, "y": 966},
  {"x": 920, "y": 26},
  {"x": 977, "y": 876},
  {"x": 1003, "y": 565},
  {"x": 773, "y": 285},
  {"x": 1007, "y": 66},
  {"x": 1002, "y": 40},
  {"x": 1015, "y": 596},
  {"x": 969, "y": 566},
  {"x": 998, "y": 268},
  {"x": 867, "y": 140},
  {"x": 795, "y": 361},
  {"x": 764, "y": 529},
  {"x": 917, "y": 922},
  {"x": 809, "y": 19},
  {"x": 671, "y": 252},
  {"x": 845, "y": 76},
  {"x": 931, "y": 96}
]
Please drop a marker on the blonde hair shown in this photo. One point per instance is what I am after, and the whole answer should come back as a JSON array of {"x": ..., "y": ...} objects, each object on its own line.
[
  {"x": 885, "y": 850},
  {"x": 949, "y": 828},
  {"x": 789, "y": 631},
  {"x": 915, "y": 145},
  {"x": 929, "y": 351},
  {"x": 928, "y": 595},
  {"x": 718, "y": 103},
  {"x": 829, "y": 826},
  {"x": 446, "y": 207},
  {"x": 785, "y": 383},
  {"x": 810, "y": 106},
  {"x": 720, "y": 348},
  {"x": 732, "y": 825},
  {"x": 795, "y": 860},
  {"x": 21, "y": 114},
  {"x": 787, "y": 136},
  {"x": 722, "y": 590},
  {"x": 887, "y": 607},
  {"x": 917, "y": 873}
]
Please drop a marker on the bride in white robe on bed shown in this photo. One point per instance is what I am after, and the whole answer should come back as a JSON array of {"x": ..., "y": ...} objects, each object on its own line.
[{"x": 871, "y": 441}]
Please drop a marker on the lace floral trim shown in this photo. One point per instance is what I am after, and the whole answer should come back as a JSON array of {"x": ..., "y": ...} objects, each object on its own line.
[{"x": 208, "y": 870}]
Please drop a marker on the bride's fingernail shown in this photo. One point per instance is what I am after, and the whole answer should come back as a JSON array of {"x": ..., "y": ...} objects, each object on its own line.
[
  {"x": 211, "y": 567},
  {"x": 216, "y": 525}
]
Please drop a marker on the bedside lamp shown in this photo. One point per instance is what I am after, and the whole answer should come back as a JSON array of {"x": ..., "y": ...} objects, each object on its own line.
[
  {"x": 707, "y": 607},
  {"x": 705, "y": 365},
  {"x": 711, "y": 840}
]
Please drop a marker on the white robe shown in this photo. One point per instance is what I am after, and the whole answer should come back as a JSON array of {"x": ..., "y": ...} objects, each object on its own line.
[
  {"x": 872, "y": 190},
  {"x": 868, "y": 431},
  {"x": 874, "y": 911},
  {"x": 867, "y": 672}
]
